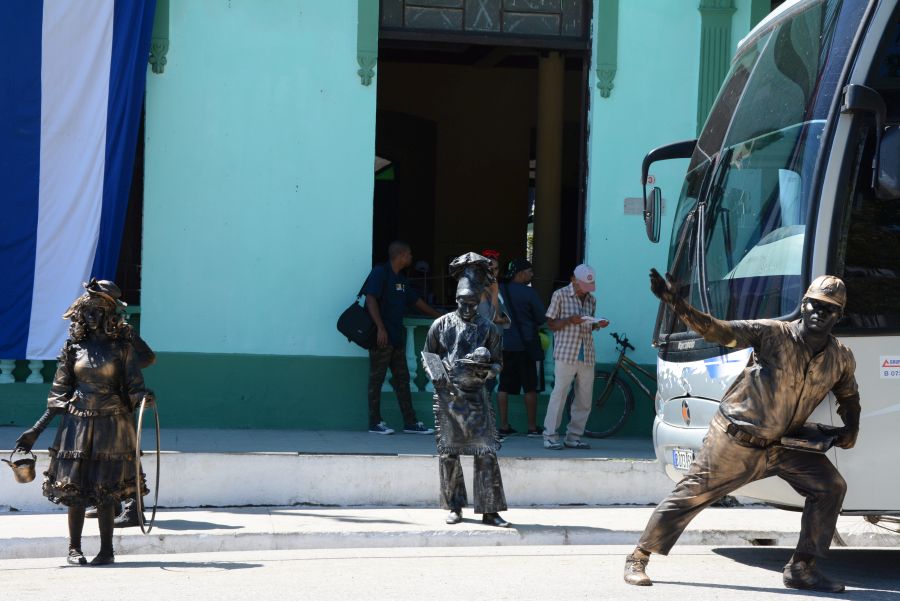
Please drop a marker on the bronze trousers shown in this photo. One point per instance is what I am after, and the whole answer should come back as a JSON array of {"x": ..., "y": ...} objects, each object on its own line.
[
  {"x": 725, "y": 464},
  {"x": 489, "y": 496}
]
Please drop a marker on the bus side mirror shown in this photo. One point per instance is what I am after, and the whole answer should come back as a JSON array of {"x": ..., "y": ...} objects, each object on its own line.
[
  {"x": 653, "y": 213},
  {"x": 888, "y": 184},
  {"x": 653, "y": 200}
]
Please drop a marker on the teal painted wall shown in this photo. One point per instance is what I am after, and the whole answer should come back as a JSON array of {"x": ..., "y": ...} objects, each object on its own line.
[
  {"x": 654, "y": 102},
  {"x": 258, "y": 179}
]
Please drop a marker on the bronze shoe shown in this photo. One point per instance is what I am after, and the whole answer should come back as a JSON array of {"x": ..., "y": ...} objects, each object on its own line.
[
  {"x": 635, "y": 571},
  {"x": 804, "y": 575},
  {"x": 103, "y": 559},
  {"x": 494, "y": 519},
  {"x": 454, "y": 517},
  {"x": 76, "y": 558}
]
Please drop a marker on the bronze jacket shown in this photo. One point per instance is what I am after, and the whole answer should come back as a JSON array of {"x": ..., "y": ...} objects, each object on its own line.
[{"x": 784, "y": 381}]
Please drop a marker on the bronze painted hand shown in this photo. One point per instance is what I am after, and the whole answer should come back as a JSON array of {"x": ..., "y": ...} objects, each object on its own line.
[
  {"x": 846, "y": 436},
  {"x": 664, "y": 289},
  {"x": 26, "y": 441}
]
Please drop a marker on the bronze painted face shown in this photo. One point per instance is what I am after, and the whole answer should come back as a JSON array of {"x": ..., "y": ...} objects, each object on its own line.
[
  {"x": 467, "y": 306},
  {"x": 93, "y": 316},
  {"x": 818, "y": 316}
]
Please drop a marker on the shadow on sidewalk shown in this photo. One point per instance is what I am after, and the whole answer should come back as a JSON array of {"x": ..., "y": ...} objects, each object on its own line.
[
  {"x": 192, "y": 525},
  {"x": 873, "y": 571},
  {"x": 179, "y": 566},
  {"x": 347, "y": 519}
]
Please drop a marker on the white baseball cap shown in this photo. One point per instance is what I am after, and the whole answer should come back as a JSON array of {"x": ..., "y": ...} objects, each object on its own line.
[{"x": 585, "y": 275}]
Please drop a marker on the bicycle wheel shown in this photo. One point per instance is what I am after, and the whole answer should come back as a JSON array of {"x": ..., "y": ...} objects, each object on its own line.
[{"x": 609, "y": 412}]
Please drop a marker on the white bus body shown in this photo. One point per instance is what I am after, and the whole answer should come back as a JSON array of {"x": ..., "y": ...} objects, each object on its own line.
[{"x": 780, "y": 190}]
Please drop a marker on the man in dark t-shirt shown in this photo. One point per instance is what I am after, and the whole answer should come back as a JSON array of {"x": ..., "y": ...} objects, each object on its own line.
[
  {"x": 388, "y": 294},
  {"x": 521, "y": 346}
]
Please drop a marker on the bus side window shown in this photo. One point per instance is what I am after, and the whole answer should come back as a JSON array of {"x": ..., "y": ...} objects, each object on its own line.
[{"x": 869, "y": 254}]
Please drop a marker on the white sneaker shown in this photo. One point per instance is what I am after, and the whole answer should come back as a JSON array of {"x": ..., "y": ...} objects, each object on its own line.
[
  {"x": 380, "y": 428},
  {"x": 553, "y": 445}
]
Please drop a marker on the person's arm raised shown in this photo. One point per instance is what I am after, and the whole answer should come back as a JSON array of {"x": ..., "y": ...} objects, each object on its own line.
[{"x": 712, "y": 329}]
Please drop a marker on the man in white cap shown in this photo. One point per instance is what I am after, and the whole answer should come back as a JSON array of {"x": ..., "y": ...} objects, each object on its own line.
[
  {"x": 571, "y": 318},
  {"x": 793, "y": 366}
]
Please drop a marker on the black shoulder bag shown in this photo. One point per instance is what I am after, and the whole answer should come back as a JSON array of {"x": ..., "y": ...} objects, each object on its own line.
[{"x": 355, "y": 322}]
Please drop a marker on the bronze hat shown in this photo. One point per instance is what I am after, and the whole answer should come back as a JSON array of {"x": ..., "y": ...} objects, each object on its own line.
[{"x": 829, "y": 289}]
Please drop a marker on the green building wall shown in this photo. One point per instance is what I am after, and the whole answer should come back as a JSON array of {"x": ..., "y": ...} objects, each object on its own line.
[{"x": 258, "y": 207}]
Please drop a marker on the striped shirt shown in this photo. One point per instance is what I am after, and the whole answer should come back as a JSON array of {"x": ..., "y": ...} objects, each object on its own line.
[{"x": 569, "y": 342}]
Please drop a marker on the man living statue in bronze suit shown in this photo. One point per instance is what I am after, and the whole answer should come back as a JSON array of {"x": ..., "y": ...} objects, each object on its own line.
[
  {"x": 793, "y": 366},
  {"x": 462, "y": 352}
]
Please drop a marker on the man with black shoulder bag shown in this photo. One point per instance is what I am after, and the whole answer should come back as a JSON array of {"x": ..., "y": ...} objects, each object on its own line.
[
  {"x": 388, "y": 294},
  {"x": 522, "y": 351}
]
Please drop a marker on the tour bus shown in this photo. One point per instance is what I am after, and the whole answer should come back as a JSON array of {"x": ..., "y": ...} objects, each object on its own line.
[{"x": 796, "y": 173}]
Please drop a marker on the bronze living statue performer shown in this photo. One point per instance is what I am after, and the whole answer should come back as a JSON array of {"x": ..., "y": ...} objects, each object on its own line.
[
  {"x": 463, "y": 352},
  {"x": 794, "y": 365},
  {"x": 96, "y": 388}
]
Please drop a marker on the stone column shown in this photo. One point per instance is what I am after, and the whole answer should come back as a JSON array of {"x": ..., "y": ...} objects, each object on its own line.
[
  {"x": 548, "y": 176},
  {"x": 715, "y": 52}
]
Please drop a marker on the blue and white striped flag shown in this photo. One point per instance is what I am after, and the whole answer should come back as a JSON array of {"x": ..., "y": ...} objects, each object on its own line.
[{"x": 72, "y": 78}]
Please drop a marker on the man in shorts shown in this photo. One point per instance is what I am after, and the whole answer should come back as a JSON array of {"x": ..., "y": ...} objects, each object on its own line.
[{"x": 522, "y": 353}]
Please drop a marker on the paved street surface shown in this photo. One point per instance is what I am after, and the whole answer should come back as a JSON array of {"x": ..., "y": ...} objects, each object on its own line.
[{"x": 566, "y": 573}]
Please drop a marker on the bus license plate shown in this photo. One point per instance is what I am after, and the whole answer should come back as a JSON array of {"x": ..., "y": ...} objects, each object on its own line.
[{"x": 682, "y": 458}]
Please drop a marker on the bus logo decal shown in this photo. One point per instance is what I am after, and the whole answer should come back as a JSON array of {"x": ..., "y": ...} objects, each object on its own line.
[{"x": 890, "y": 367}]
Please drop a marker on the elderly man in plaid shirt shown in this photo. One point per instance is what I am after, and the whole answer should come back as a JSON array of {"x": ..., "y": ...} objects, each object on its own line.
[{"x": 571, "y": 317}]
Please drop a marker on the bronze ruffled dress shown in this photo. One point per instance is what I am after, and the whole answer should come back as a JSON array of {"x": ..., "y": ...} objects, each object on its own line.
[{"x": 97, "y": 384}]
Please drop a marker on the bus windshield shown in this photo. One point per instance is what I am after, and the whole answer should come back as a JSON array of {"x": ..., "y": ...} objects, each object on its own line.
[{"x": 756, "y": 159}]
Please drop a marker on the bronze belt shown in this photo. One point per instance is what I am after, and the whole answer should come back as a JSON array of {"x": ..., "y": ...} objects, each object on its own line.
[
  {"x": 95, "y": 413},
  {"x": 738, "y": 433}
]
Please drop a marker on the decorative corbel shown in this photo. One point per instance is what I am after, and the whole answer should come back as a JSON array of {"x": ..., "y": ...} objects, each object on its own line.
[
  {"x": 159, "y": 40},
  {"x": 367, "y": 40},
  {"x": 606, "y": 45}
]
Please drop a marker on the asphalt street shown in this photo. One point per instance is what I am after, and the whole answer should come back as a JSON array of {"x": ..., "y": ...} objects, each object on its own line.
[{"x": 566, "y": 573}]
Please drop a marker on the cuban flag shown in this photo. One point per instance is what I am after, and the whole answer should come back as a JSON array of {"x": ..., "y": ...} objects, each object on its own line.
[{"x": 72, "y": 82}]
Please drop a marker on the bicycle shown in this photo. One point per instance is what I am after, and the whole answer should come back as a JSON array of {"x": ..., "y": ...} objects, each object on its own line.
[{"x": 615, "y": 400}]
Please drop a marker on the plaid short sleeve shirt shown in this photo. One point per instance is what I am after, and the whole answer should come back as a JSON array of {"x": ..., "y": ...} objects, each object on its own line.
[{"x": 568, "y": 342}]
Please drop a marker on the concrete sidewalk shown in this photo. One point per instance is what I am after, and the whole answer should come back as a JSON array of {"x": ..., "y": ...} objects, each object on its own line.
[
  {"x": 33, "y": 535},
  {"x": 200, "y": 468}
]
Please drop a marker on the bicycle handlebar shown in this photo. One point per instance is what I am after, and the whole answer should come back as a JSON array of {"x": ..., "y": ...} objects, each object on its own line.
[{"x": 623, "y": 340}]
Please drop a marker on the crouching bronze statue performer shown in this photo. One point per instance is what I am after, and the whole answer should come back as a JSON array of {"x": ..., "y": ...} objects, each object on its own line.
[
  {"x": 97, "y": 386},
  {"x": 794, "y": 365},
  {"x": 462, "y": 352}
]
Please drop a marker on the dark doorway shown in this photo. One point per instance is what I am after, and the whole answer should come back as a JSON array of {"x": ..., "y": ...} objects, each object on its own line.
[{"x": 458, "y": 121}]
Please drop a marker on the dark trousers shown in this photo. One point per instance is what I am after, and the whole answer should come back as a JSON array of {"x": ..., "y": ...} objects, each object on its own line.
[
  {"x": 489, "y": 496},
  {"x": 724, "y": 465},
  {"x": 380, "y": 358}
]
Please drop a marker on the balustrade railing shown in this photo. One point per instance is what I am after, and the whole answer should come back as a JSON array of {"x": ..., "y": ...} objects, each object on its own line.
[
  {"x": 414, "y": 343},
  {"x": 29, "y": 372}
]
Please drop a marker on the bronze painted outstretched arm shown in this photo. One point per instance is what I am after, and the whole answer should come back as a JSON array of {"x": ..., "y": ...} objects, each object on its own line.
[{"x": 712, "y": 329}]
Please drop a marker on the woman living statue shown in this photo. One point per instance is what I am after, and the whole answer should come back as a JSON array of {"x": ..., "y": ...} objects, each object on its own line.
[
  {"x": 96, "y": 388},
  {"x": 462, "y": 352}
]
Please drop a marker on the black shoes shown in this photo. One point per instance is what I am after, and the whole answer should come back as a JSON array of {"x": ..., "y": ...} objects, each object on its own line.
[
  {"x": 804, "y": 575},
  {"x": 494, "y": 519},
  {"x": 91, "y": 511},
  {"x": 636, "y": 571},
  {"x": 454, "y": 517},
  {"x": 104, "y": 559},
  {"x": 129, "y": 516},
  {"x": 76, "y": 558}
]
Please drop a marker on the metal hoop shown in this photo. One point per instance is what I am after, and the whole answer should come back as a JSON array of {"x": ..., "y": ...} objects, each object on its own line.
[{"x": 138, "y": 498}]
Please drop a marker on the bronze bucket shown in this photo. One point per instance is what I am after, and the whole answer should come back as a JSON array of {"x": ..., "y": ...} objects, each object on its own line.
[{"x": 23, "y": 469}]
